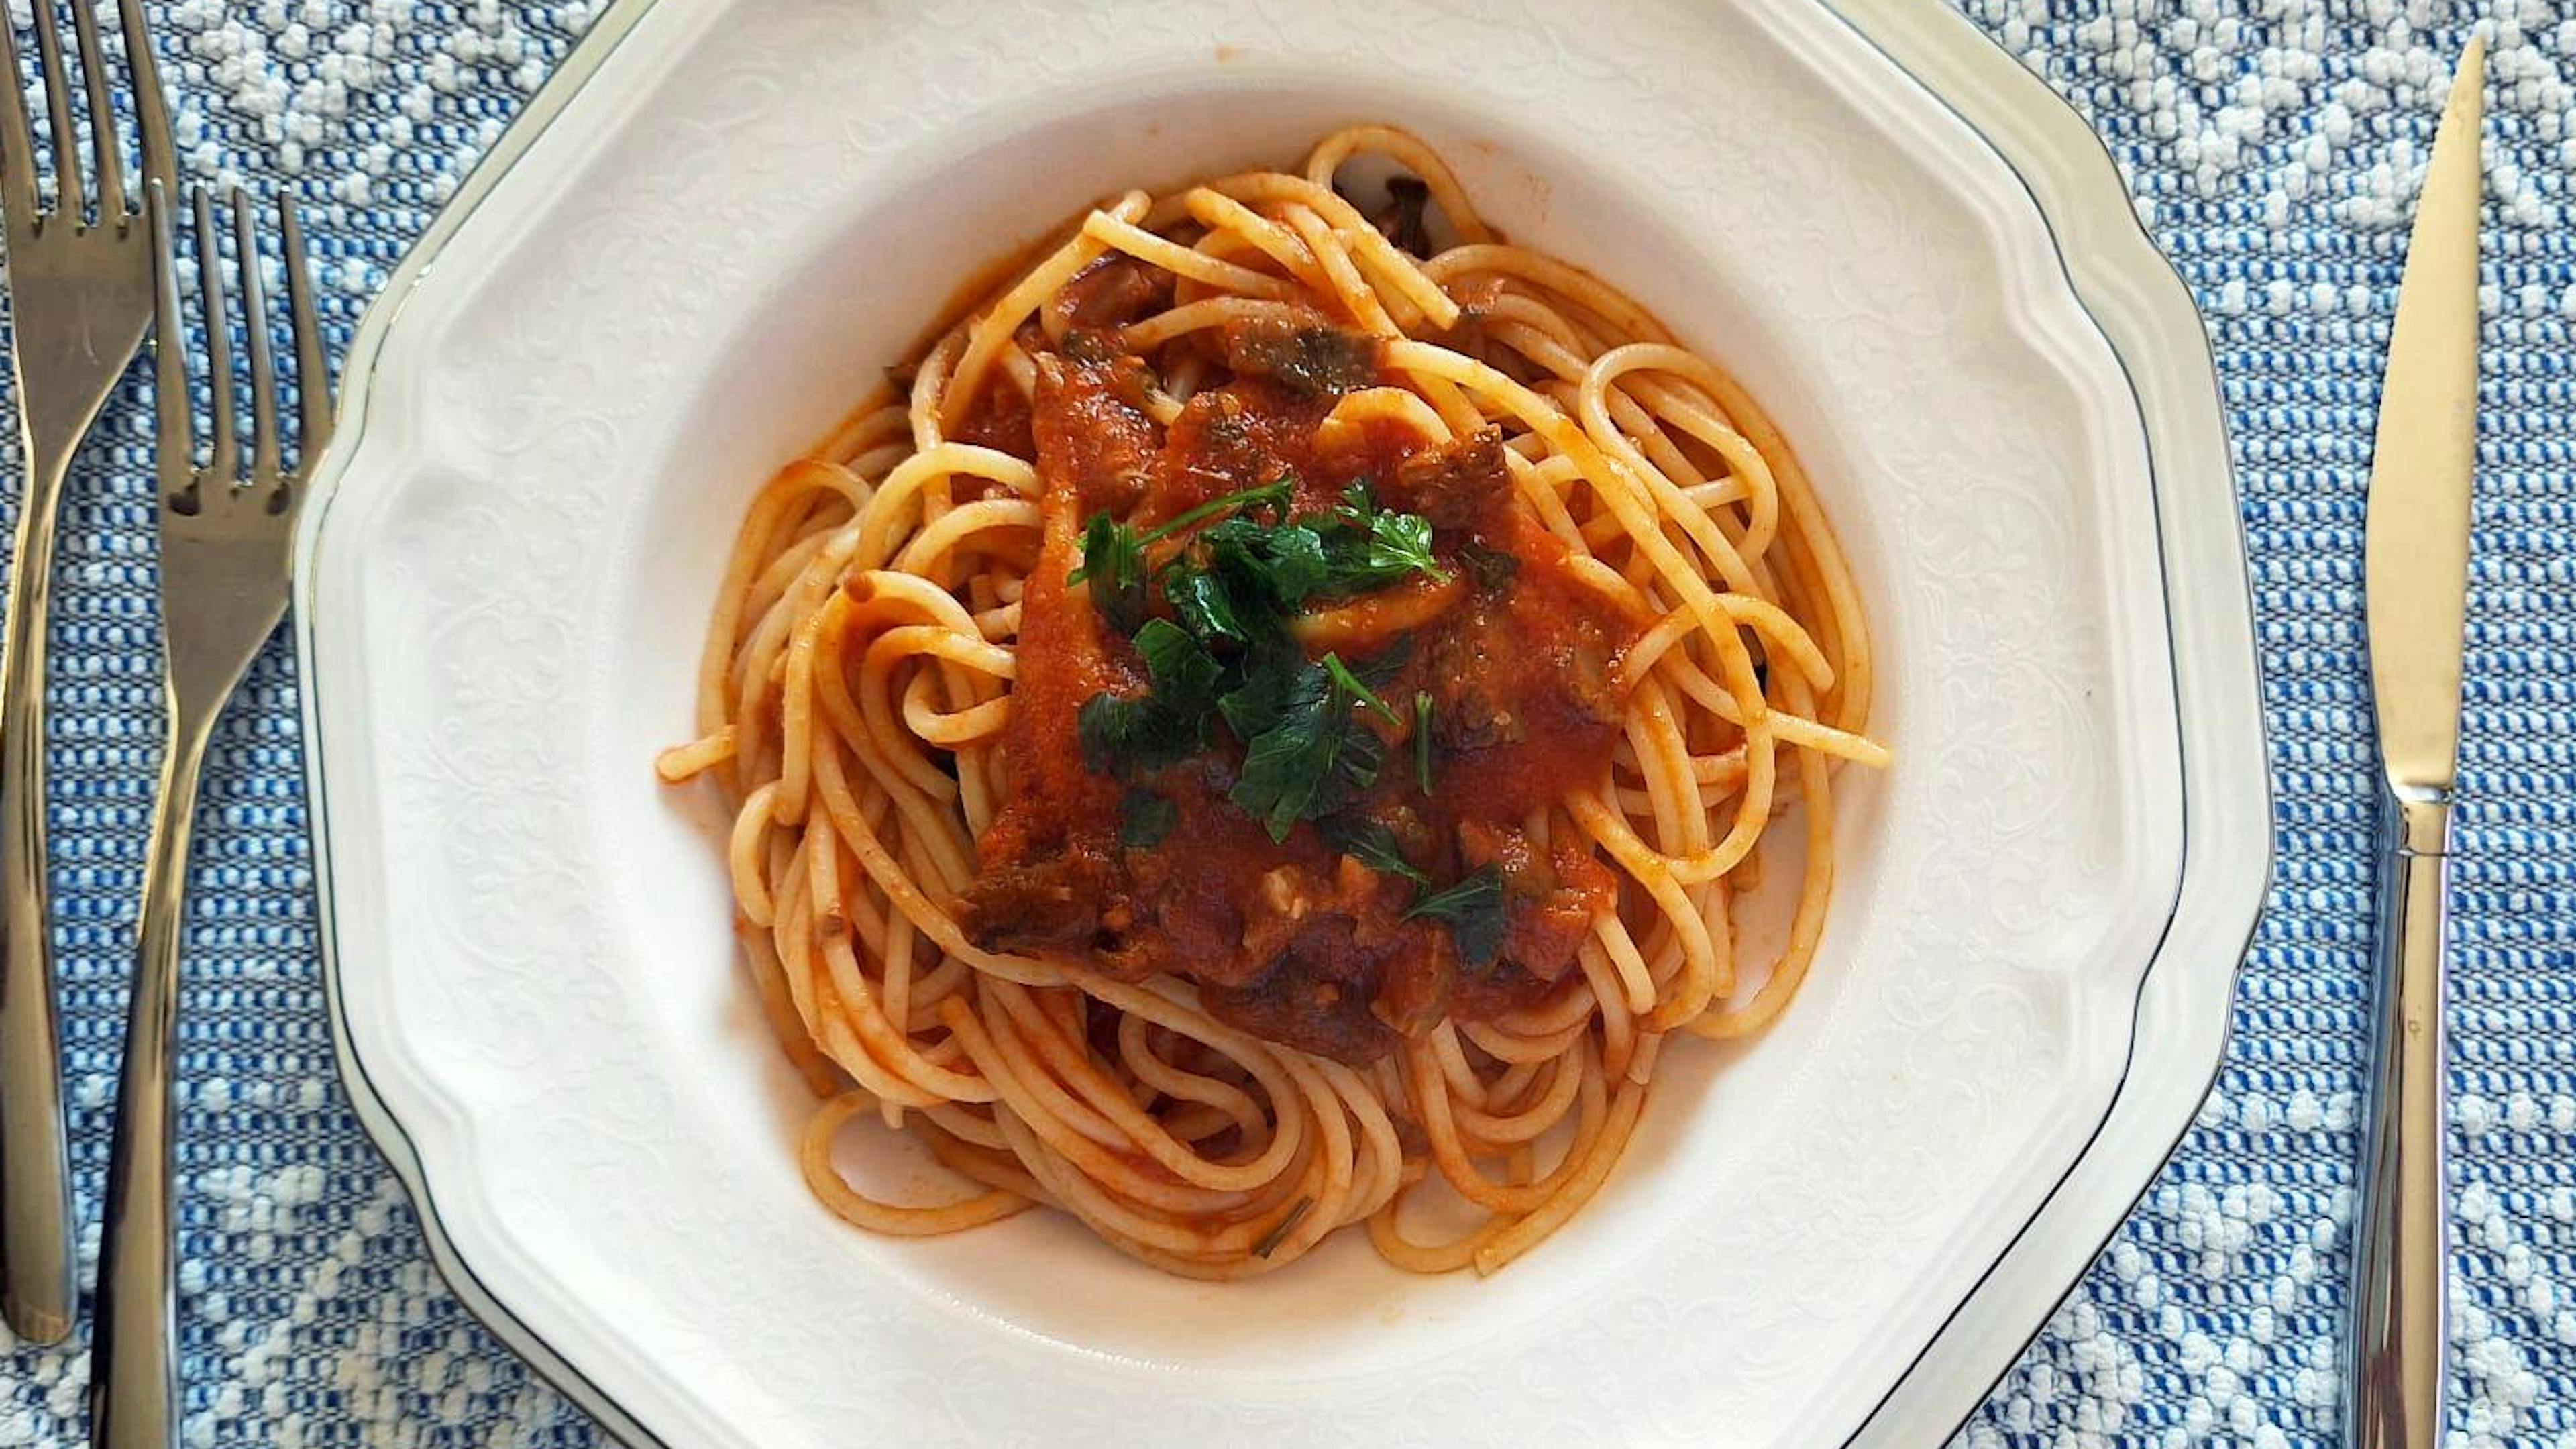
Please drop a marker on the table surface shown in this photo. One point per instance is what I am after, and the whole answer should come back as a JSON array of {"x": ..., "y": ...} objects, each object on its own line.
[{"x": 2274, "y": 148}]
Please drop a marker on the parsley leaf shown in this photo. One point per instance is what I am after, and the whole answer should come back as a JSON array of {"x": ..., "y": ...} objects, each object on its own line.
[
  {"x": 1422, "y": 739},
  {"x": 1269, "y": 676},
  {"x": 1113, "y": 563},
  {"x": 1372, "y": 845},
  {"x": 1284, "y": 765},
  {"x": 1473, "y": 911},
  {"x": 1243, "y": 577},
  {"x": 1314, "y": 757},
  {"x": 1358, "y": 689},
  {"x": 1129, "y": 736},
  {"x": 1355, "y": 766},
  {"x": 1368, "y": 548},
  {"x": 1401, "y": 543},
  {"x": 1272, "y": 496},
  {"x": 1185, "y": 674},
  {"x": 1214, "y": 604},
  {"x": 1396, "y": 543},
  {"x": 1144, "y": 818},
  {"x": 1132, "y": 735},
  {"x": 1284, "y": 563},
  {"x": 1113, "y": 553}
]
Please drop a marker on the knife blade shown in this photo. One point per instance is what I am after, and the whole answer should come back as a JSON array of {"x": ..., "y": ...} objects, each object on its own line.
[
  {"x": 2417, "y": 540},
  {"x": 2416, "y": 586}
]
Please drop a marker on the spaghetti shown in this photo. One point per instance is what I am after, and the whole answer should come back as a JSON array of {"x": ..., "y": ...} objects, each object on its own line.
[{"x": 1279, "y": 712}]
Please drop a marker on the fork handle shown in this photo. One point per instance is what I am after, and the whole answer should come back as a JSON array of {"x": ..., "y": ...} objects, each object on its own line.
[
  {"x": 2397, "y": 1321},
  {"x": 134, "y": 1358},
  {"x": 36, "y": 1294}
]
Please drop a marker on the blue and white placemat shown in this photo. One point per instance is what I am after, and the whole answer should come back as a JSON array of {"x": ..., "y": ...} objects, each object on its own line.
[{"x": 2274, "y": 147}]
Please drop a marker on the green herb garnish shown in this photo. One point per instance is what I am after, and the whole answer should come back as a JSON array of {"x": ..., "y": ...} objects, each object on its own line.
[
  {"x": 1132, "y": 735},
  {"x": 1372, "y": 845},
  {"x": 1315, "y": 757},
  {"x": 1227, "y": 653},
  {"x": 1358, "y": 689},
  {"x": 1107, "y": 543},
  {"x": 1422, "y": 739},
  {"x": 1239, "y": 570},
  {"x": 1113, "y": 562},
  {"x": 1403, "y": 541},
  {"x": 1271, "y": 497},
  {"x": 1473, "y": 911},
  {"x": 1144, "y": 818},
  {"x": 1368, "y": 547},
  {"x": 1113, "y": 553},
  {"x": 1184, "y": 673}
]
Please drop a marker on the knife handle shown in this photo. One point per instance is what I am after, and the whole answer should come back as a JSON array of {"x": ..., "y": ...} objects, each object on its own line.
[{"x": 2398, "y": 1289}]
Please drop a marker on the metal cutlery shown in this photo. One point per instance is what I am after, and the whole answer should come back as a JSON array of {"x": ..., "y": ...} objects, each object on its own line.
[
  {"x": 80, "y": 297},
  {"x": 225, "y": 539},
  {"x": 2422, "y": 467}
]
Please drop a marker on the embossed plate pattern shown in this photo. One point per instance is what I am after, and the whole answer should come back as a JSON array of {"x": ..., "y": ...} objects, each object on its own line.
[{"x": 701, "y": 246}]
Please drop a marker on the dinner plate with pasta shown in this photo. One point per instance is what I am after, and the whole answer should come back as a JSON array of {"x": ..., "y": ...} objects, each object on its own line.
[{"x": 1252, "y": 726}]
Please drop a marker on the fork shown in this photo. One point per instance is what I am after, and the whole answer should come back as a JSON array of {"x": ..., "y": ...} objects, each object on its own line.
[
  {"x": 225, "y": 537},
  {"x": 80, "y": 295}
]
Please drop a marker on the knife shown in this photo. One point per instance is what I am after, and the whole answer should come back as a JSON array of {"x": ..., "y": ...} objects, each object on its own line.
[{"x": 2417, "y": 582}]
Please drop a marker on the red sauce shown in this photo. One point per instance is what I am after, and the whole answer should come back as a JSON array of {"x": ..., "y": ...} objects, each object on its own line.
[
  {"x": 1290, "y": 939},
  {"x": 1000, "y": 420}
]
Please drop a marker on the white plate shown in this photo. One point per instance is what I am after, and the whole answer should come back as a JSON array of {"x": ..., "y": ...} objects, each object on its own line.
[{"x": 698, "y": 249}]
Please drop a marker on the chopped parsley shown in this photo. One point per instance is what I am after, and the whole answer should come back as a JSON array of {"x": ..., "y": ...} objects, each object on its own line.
[
  {"x": 1316, "y": 756},
  {"x": 1113, "y": 553},
  {"x": 1242, "y": 572},
  {"x": 1422, "y": 739},
  {"x": 1372, "y": 845},
  {"x": 1270, "y": 497},
  {"x": 1371, "y": 539},
  {"x": 1117, "y": 550},
  {"x": 1144, "y": 818},
  {"x": 1314, "y": 733},
  {"x": 1131, "y": 735},
  {"x": 1358, "y": 689},
  {"x": 1113, "y": 563},
  {"x": 1473, "y": 910},
  {"x": 1184, "y": 673}
]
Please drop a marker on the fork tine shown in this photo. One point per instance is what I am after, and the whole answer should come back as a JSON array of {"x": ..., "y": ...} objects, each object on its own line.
[
  {"x": 223, "y": 461},
  {"x": 174, "y": 448},
  {"x": 151, "y": 108},
  {"x": 17, "y": 142},
  {"x": 312, "y": 372},
  {"x": 255, "y": 342},
  {"x": 70, "y": 198},
  {"x": 105, "y": 149}
]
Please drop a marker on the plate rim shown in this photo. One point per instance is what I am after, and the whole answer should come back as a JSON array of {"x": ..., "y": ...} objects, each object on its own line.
[
  {"x": 2100, "y": 241},
  {"x": 2074, "y": 183}
]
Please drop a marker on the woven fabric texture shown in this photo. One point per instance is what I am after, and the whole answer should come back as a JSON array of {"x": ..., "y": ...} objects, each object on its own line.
[{"x": 2274, "y": 148}]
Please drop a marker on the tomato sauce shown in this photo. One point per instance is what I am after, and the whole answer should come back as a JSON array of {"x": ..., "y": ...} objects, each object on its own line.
[{"x": 1516, "y": 657}]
